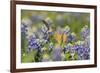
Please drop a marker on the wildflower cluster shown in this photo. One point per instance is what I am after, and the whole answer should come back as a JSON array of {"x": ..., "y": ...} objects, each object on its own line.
[{"x": 57, "y": 45}]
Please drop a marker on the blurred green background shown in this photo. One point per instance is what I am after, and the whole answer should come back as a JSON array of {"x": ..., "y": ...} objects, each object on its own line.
[{"x": 74, "y": 20}]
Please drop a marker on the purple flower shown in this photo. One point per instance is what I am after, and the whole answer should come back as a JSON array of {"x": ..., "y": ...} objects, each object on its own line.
[
  {"x": 42, "y": 34},
  {"x": 24, "y": 29},
  {"x": 73, "y": 35},
  {"x": 80, "y": 52},
  {"x": 67, "y": 30},
  {"x": 87, "y": 53},
  {"x": 83, "y": 53},
  {"x": 56, "y": 54},
  {"x": 33, "y": 43},
  {"x": 69, "y": 40},
  {"x": 85, "y": 32},
  {"x": 67, "y": 47},
  {"x": 87, "y": 42},
  {"x": 25, "y": 26}
]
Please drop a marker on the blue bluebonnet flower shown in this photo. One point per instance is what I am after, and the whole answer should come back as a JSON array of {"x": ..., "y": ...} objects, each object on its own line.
[
  {"x": 67, "y": 47},
  {"x": 24, "y": 29},
  {"x": 33, "y": 43},
  {"x": 87, "y": 53},
  {"x": 87, "y": 48},
  {"x": 67, "y": 30},
  {"x": 87, "y": 42},
  {"x": 69, "y": 39},
  {"x": 39, "y": 34},
  {"x": 85, "y": 32},
  {"x": 42, "y": 40},
  {"x": 42, "y": 34},
  {"x": 83, "y": 53},
  {"x": 72, "y": 37},
  {"x": 46, "y": 37},
  {"x": 80, "y": 54},
  {"x": 56, "y": 54},
  {"x": 46, "y": 29},
  {"x": 86, "y": 56}
]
